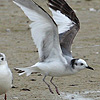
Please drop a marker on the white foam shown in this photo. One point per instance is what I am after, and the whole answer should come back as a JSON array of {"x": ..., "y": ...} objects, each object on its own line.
[
  {"x": 74, "y": 96},
  {"x": 90, "y": 92},
  {"x": 92, "y": 9}
]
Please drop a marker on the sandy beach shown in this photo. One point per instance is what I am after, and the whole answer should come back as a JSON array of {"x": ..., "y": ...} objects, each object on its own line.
[{"x": 18, "y": 46}]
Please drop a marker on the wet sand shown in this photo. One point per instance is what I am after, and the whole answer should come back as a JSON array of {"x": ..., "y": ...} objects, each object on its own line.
[{"x": 17, "y": 44}]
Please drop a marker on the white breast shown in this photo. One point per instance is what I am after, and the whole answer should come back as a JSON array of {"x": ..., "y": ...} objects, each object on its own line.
[{"x": 5, "y": 79}]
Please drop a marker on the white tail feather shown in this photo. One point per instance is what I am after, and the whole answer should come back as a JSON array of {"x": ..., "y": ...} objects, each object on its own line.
[{"x": 27, "y": 70}]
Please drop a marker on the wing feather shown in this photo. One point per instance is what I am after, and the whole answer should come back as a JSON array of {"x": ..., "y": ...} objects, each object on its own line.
[
  {"x": 67, "y": 21},
  {"x": 43, "y": 29}
]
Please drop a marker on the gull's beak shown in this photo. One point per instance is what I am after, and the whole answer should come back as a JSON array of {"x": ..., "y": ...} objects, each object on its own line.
[{"x": 88, "y": 67}]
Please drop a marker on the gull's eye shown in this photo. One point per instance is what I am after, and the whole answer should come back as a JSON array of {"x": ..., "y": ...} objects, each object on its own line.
[
  {"x": 82, "y": 64},
  {"x": 2, "y": 59}
]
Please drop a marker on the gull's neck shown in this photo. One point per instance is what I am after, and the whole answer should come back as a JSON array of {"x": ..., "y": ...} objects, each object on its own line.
[{"x": 3, "y": 63}]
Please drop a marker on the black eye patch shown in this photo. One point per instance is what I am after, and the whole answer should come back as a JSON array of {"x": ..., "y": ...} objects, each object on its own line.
[{"x": 73, "y": 62}]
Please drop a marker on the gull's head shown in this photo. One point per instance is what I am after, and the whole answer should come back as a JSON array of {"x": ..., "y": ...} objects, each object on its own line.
[
  {"x": 2, "y": 58},
  {"x": 79, "y": 64}
]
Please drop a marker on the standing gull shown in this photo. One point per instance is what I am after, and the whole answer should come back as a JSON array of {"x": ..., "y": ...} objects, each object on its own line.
[
  {"x": 5, "y": 76},
  {"x": 55, "y": 58}
]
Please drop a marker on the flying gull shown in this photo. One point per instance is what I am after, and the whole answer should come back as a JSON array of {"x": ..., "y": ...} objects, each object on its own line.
[{"x": 53, "y": 36}]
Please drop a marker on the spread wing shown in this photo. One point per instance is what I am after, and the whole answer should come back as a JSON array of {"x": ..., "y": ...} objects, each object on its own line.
[
  {"x": 67, "y": 21},
  {"x": 44, "y": 30}
]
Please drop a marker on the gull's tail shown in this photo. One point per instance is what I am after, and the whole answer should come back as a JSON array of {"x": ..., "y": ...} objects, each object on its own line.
[{"x": 27, "y": 70}]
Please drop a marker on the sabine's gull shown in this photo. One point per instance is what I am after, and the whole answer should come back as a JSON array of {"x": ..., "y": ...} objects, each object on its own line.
[{"x": 53, "y": 36}]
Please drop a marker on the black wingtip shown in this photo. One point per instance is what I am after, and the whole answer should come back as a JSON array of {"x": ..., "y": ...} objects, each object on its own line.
[{"x": 64, "y": 8}]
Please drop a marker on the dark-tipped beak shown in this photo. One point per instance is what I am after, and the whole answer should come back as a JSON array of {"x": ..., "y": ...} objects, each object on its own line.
[{"x": 88, "y": 67}]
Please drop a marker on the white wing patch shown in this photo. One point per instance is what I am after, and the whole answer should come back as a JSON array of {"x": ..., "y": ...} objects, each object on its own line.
[
  {"x": 39, "y": 25},
  {"x": 31, "y": 14},
  {"x": 43, "y": 30},
  {"x": 63, "y": 22}
]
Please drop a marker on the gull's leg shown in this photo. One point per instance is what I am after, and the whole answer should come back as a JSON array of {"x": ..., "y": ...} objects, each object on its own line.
[
  {"x": 55, "y": 86},
  {"x": 5, "y": 97},
  {"x": 47, "y": 84}
]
